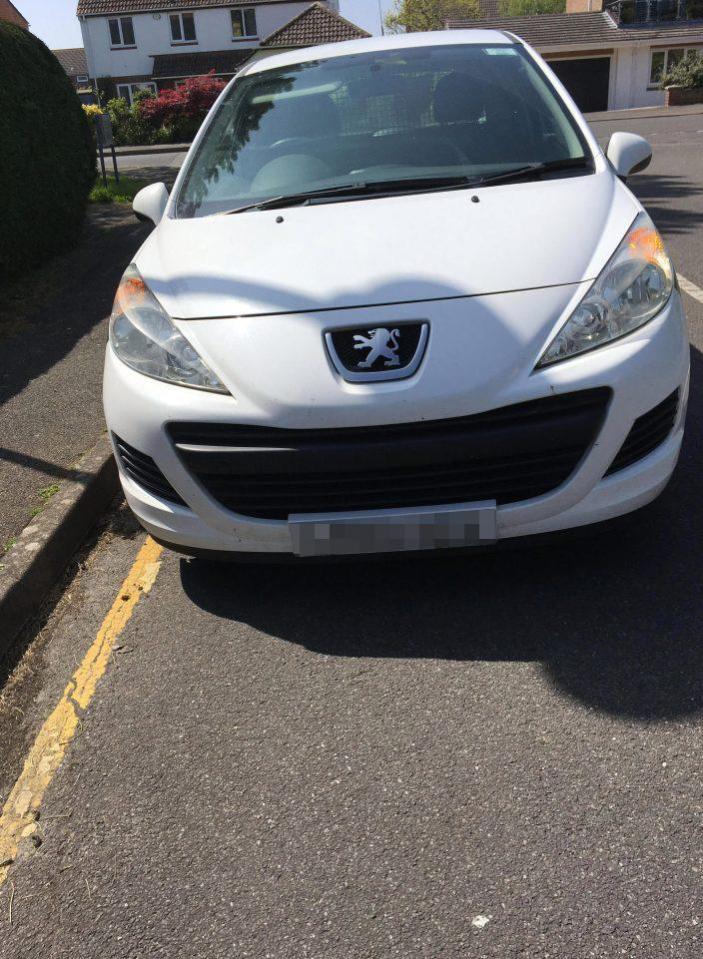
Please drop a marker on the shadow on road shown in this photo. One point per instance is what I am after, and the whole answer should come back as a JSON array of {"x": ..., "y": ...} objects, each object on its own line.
[
  {"x": 151, "y": 174},
  {"x": 613, "y": 613},
  {"x": 92, "y": 271},
  {"x": 668, "y": 201}
]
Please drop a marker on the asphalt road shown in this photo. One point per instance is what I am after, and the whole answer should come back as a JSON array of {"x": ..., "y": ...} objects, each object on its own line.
[
  {"x": 496, "y": 755},
  {"x": 152, "y": 166}
]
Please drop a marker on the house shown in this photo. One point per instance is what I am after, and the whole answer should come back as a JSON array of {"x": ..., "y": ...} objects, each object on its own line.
[
  {"x": 75, "y": 64},
  {"x": 613, "y": 58},
  {"x": 136, "y": 45},
  {"x": 9, "y": 12}
]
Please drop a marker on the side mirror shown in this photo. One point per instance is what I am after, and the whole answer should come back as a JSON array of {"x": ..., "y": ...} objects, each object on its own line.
[
  {"x": 628, "y": 153},
  {"x": 150, "y": 203}
]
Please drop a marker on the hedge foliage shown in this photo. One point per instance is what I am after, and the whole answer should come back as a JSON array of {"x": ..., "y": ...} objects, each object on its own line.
[
  {"x": 47, "y": 154},
  {"x": 174, "y": 116}
]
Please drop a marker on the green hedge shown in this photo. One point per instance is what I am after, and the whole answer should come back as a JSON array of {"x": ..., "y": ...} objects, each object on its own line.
[{"x": 47, "y": 154}]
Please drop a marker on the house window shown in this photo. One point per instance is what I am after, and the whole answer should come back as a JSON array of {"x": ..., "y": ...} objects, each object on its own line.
[
  {"x": 244, "y": 23},
  {"x": 183, "y": 28},
  {"x": 122, "y": 32},
  {"x": 126, "y": 91},
  {"x": 82, "y": 78},
  {"x": 657, "y": 66},
  {"x": 662, "y": 61}
]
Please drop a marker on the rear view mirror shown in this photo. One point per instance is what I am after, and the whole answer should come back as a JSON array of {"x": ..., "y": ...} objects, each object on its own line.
[
  {"x": 150, "y": 203},
  {"x": 628, "y": 153}
]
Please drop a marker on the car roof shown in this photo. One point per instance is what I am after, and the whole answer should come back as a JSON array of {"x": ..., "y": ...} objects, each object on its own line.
[{"x": 434, "y": 38}]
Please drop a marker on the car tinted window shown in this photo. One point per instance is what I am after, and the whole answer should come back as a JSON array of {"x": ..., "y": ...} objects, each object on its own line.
[{"x": 415, "y": 112}]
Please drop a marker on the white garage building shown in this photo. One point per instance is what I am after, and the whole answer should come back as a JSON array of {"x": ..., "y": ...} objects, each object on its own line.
[{"x": 610, "y": 59}]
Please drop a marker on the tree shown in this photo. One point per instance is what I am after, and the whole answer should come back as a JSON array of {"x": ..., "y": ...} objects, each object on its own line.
[
  {"x": 414, "y": 15},
  {"x": 525, "y": 8}
]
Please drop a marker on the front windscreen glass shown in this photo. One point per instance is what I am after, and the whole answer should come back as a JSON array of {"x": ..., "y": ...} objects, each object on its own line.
[{"x": 386, "y": 116}]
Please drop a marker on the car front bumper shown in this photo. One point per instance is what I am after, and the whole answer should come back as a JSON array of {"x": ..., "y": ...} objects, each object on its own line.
[{"x": 641, "y": 370}]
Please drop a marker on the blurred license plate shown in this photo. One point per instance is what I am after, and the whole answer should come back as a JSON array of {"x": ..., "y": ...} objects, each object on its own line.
[{"x": 390, "y": 531}]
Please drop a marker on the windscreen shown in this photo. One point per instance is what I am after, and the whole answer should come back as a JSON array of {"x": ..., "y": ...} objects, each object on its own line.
[{"x": 435, "y": 111}]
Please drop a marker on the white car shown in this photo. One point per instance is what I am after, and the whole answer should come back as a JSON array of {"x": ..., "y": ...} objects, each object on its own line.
[{"x": 398, "y": 299}]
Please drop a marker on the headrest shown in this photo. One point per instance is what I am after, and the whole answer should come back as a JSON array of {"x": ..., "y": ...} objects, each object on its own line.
[
  {"x": 459, "y": 97},
  {"x": 303, "y": 116}
]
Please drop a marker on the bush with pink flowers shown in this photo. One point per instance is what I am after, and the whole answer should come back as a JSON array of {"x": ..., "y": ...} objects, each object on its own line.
[{"x": 174, "y": 116}]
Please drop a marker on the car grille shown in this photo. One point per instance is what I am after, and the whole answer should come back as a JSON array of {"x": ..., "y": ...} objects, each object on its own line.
[
  {"x": 648, "y": 431},
  {"x": 144, "y": 471},
  {"x": 509, "y": 454}
]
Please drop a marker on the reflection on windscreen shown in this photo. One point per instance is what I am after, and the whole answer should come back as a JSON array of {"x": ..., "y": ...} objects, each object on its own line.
[{"x": 405, "y": 113}]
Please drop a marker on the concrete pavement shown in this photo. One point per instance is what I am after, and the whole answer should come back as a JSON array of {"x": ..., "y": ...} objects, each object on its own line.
[
  {"x": 491, "y": 756},
  {"x": 51, "y": 378}
]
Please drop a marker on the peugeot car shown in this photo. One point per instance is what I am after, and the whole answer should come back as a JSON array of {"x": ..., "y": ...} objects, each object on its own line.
[{"x": 399, "y": 298}]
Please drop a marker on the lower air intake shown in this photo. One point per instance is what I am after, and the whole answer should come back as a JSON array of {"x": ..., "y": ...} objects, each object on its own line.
[
  {"x": 648, "y": 431},
  {"x": 144, "y": 471},
  {"x": 510, "y": 454}
]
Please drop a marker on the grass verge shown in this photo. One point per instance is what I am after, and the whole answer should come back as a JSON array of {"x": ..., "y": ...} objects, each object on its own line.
[{"x": 114, "y": 192}]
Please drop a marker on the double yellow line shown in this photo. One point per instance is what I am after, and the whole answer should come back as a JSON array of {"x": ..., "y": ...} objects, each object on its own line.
[{"x": 19, "y": 816}]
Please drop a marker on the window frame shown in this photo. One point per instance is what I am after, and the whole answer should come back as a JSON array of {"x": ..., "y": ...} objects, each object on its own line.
[
  {"x": 654, "y": 84},
  {"x": 242, "y": 13},
  {"x": 180, "y": 17},
  {"x": 119, "y": 22},
  {"x": 135, "y": 87}
]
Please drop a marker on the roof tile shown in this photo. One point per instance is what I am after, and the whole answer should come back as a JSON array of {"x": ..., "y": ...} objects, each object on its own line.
[
  {"x": 316, "y": 24},
  {"x": 97, "y": 8},
  {"x": 561, "y": 29},
  {"x": 73, "y": 60}
]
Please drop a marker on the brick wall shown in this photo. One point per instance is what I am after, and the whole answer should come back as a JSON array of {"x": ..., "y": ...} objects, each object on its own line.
[
  {"x": 678, "y": 97},
  {"x": 9, "y": 12}
]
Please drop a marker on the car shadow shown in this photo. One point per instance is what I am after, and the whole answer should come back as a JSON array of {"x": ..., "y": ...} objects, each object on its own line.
[{"x": 612, "y": 612}]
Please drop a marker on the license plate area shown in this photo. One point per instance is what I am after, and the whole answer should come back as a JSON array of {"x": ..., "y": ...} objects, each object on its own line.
[{"x": 392, "y": 531}]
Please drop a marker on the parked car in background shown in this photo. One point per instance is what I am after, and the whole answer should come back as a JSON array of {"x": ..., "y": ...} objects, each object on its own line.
[{"x": 399, "y": 299}]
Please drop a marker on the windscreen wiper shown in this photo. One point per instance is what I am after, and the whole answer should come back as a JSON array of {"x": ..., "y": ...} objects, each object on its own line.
[
  {"x": 373, "y": 188},
  {"x": 423, "y": 184},
  {"x": 535, "y": 170}
]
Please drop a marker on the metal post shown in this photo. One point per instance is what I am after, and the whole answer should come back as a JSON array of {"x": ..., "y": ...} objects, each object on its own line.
[
  {"x": 114, "y": 163},
  {"x": 102, "y": 162}
]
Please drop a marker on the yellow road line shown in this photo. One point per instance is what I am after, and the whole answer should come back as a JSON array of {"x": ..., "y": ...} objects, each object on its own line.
[{"x": 20, "y": 812}]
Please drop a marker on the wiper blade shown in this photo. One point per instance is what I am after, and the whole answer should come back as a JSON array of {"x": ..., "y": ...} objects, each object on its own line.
[
  {"x": 536, "y": 170},
  {"x": 405, "y": 184},
  {"x": 294, "y": 199}
]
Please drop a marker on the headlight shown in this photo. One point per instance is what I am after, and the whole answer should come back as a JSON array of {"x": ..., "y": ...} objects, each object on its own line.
[
  {"x": 144, "y": 337},
  {"x": 634, "y": 286}
]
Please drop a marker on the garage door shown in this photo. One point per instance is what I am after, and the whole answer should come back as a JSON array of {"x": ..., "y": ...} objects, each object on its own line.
[{"x": 586, "y": 80}]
